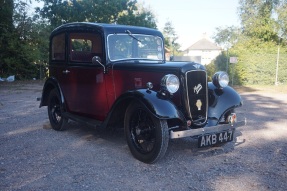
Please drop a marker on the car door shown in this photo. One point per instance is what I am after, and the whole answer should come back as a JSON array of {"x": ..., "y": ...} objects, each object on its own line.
[{"x": 84, "y": 82}]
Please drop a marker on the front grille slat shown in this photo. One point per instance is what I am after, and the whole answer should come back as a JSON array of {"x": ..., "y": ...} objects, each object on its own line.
[{"x": 196, "y": 85}]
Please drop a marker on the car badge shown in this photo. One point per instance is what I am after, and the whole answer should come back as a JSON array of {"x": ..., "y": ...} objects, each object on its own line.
[
  {"x": 197, "y": 66},
  {"x": 198, "y": 104},
  {"x": 197, "y": 88}
]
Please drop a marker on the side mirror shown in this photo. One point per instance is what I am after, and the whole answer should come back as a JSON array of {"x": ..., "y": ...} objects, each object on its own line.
[{"x": 97, "y": 60}]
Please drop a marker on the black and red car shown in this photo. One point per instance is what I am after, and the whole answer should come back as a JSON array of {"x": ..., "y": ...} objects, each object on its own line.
[{"x": 116, "y": 75}]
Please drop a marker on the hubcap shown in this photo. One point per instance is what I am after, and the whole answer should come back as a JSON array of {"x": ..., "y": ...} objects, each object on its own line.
[{"x": 56, "y": 111}]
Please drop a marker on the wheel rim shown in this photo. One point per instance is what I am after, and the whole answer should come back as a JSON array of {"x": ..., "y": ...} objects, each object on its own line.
[
  {"x": 142, "y": 131},
  {"x": 55, "y": 110}
]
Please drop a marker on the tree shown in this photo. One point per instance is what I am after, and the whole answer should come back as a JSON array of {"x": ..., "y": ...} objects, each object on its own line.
[
  {"x": 17, "y": 48},
  {"x": 23, "y": 44},
  {"x": 170, "y": 37},
  {"x": 140, "y": 16},
  {"x": 58, "y": 12},
  {"x": 227, "y": 37},
  {"x": 6, "y": 28},
  {"x": 282, "y": 20},
  {"x": 6, "y": 15},
  {"x": 257, "y": 19}
]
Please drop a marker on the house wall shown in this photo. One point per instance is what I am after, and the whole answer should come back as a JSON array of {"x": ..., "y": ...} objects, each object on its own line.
[
  {"x": 196, "y": 59},
  {"x": 206, "y": 55}
]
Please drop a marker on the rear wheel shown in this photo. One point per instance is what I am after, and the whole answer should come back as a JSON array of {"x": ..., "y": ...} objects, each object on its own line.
[
  {"x": 58, "y": 122},
  {"x": 147, "y": 136}
]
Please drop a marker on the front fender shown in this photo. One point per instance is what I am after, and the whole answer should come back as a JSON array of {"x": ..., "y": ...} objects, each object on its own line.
[
  {"x": 161, "y": 108},
  {"x": 220, "y": 101}
]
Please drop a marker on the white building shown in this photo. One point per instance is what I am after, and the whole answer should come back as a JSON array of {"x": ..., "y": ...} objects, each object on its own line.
[{"x": 204, "y": 48}]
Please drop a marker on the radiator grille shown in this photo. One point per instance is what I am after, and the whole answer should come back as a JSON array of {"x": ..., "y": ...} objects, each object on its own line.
[{"x": 196, "y": 85}]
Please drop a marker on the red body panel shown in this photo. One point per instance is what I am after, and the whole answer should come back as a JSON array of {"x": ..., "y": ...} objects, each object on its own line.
[{"x": 85, "y": 91}]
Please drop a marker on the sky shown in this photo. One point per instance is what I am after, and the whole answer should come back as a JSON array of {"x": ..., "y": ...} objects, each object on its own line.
[{"x": 192, "y": 18}]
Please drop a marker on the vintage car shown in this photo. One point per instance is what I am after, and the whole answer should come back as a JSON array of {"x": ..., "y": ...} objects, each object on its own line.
[{"x": 117, "y": 76}]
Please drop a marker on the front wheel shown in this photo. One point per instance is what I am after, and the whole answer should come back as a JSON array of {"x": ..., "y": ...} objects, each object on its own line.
[
  {"x": 57, "y": 120},
  {"x": 147, "y": 136}
]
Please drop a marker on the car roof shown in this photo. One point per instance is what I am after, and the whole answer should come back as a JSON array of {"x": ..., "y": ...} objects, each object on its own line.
[{"x": 106, "y": 28}]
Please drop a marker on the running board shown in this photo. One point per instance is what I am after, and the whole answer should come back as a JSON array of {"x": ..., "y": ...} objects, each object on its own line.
[{"x": 83, "y": 120}]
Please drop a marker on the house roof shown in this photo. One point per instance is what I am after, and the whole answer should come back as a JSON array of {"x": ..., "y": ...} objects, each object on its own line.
[{"x": 204, "y": 44}]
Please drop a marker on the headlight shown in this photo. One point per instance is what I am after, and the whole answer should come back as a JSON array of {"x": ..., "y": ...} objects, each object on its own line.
[
  {"x": 170, "y": 82},
  {"x": 220, "y": 79}
]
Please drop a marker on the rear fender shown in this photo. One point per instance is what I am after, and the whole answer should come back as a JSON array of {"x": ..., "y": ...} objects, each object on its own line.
[{"x": 50, "y": 84}]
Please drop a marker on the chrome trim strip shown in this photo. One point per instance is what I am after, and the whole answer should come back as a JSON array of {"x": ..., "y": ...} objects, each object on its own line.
[{"x": 205, "y": 130}]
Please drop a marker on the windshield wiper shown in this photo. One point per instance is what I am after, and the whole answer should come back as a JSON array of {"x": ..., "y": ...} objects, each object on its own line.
[{"x": 131, "y": 35}]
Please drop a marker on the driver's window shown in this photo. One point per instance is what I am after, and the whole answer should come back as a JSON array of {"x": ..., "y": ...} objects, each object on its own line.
[{"x": 84, "y": 46}]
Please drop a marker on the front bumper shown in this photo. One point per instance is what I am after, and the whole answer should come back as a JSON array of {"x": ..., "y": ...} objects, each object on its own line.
[{"x": 205, "y": 130}]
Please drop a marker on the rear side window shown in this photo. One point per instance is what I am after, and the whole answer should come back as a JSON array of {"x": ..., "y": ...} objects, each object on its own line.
[
  {"x": 84, "y": 46},
  {"x": 58, "y": 47}
]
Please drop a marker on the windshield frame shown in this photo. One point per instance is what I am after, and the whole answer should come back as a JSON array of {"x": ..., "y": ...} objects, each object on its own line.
[{"x": 134, "y": 39}]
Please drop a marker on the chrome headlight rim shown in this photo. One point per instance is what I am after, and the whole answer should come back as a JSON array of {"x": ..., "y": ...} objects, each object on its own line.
[
  {"x": 220, "y": 79},
  {"x": 170, "y": 82}
]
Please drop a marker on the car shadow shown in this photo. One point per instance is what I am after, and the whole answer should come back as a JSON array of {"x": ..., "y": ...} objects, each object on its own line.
[{"x": 115, "y": 136}]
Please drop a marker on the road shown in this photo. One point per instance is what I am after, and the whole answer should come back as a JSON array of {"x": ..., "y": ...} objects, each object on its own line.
[{"x": 35, "y": 157}]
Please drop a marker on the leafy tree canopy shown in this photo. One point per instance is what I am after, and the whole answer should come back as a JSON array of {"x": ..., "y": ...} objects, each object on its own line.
[
  {"x": 227, "y": 37},
  {"x": 257, "y": 19},
  {"x": 58, "y": 12},
  {"x": 282, "y": 20},
  {"x": 18, "y": 52}
]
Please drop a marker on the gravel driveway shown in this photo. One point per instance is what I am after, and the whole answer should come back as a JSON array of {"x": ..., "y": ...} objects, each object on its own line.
[{"x": 35, "y": 157}]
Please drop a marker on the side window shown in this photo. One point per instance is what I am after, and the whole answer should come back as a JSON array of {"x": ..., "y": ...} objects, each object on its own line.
[
  {"x": 84, "y": 46},
  {"x": 58, "y": 47}
]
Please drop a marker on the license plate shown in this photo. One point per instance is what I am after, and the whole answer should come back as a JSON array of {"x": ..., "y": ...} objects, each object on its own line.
[{"x": 213, "y": 139}]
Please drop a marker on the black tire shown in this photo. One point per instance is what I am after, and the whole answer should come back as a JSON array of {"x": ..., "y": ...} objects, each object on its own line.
[
  {"x": 147, "y": 136},
  {"x": 57, "y": 121}
]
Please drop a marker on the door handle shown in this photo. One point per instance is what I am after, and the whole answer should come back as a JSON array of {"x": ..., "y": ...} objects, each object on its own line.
[{"x": 66, "y": 71}]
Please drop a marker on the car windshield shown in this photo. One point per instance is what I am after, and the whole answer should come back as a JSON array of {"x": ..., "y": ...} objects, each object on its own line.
[{"x": 135, "y": 46}]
